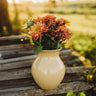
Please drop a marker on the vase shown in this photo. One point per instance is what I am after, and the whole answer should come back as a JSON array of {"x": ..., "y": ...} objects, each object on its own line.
[{"x": 48, "y": 70}]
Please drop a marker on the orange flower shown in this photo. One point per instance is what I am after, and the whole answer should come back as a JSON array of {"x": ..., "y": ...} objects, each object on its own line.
[
  {"x": 49, "y": 24},
  {"x": 38, "y": 19},
  {"x": 37, "y": 29}
]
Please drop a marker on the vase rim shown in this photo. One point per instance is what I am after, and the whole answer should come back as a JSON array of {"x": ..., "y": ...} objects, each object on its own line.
[{"x": 52, "y": 50}]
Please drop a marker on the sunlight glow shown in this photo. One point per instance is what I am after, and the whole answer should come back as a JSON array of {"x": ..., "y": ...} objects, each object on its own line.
[
  {"x": 11, "y": 1},
  {"x": 34, "y": 1}
]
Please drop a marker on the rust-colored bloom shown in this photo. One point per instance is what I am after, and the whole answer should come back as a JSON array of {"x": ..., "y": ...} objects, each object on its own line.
[
  {"x": 49, "y": 20},
  {"x": 49, "y": 24},
  {"x": 60, "y": 22},
  {"x": 37, "y": 29},
  {"x": 62, "y": 32}
]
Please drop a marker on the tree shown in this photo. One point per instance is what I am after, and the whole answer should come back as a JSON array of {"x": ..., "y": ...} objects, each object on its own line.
[
  {"x": 4, "y": 18},
  {"x": 16, "y": 21}
]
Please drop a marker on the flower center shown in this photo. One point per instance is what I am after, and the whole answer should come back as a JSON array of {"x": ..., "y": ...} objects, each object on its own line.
[{"x": 36, "y": 28}]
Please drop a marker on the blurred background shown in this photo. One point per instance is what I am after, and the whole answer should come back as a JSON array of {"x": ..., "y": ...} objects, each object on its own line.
[{"x": 81, "y": 13}]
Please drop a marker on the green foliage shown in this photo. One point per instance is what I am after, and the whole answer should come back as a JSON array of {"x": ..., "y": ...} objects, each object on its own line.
[
  {"x": 76, "y": 94},
  {"x": 30, "y": 23},
  {"x": 85, "y": 45},
  {"x": 29, "y": 37},
  {"x": 24, "y": 26},
  {"x": 59, "y": 44},
  {"x": 91, "y": 77},
  {"x": 81, "y": 94},
  {"x": 38, "y": 46},
  {"x": 50, "y": 43},
  {"x": 38, "y": 49},
  {"x": 71, "y": 94},
  {"x": 81, "y": 44},
  {"x": 47, "y": 43}
]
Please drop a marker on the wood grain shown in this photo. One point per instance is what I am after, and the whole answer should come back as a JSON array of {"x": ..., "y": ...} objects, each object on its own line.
[
  {"x": 25, "y": 82},
  {"x": 8, "y": 38},
  {"x": 15, "y": 46},
  {"x": 15, "y": 71},
  {"x": 36, "y": 91},
  {"x": 26, "y": 72},
  {"x": 26, "y": 61}
]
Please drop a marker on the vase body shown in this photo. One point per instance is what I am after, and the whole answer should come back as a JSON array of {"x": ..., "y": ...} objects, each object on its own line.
[{"x": 48, "y": 69}]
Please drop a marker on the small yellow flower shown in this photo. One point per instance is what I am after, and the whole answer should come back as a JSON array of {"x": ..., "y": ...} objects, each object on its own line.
[{"x": 67, "y": 22}]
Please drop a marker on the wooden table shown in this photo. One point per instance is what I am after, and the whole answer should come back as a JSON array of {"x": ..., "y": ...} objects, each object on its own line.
[{"x": 16, "y": 57}]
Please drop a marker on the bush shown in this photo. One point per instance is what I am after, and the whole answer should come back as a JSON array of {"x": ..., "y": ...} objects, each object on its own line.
[{"x": 85, "y": 45}]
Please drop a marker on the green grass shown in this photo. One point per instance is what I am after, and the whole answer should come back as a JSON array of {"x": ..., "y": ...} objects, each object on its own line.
[{"x": 81, "y": 25}]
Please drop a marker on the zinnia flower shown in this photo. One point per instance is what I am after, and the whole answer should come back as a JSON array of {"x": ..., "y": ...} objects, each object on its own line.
[{"x": 37, "y": 29}]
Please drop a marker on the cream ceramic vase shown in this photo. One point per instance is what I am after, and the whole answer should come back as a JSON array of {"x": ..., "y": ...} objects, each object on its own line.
[{"x": 48, "y": 69}]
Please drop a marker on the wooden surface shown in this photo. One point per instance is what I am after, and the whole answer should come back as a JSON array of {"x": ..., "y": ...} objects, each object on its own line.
[
  {"x": 15, "y": 71},
  {"x": 9, "y": 38},
  {"x": 36, "y": 91}
]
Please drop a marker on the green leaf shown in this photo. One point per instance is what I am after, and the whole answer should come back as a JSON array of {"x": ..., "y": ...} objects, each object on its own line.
[
  {"x": 38, "y": 49},
  {"x": 59, "y": 44},
  {"x": 81, "y": 94},
  {"x": 71, "y": 94},
  {"x": 30, "y": 23},
  {"x": 24, "y": 26},
  {"x": 49, "y": 36},
  {"x": 31, "y": 41}
]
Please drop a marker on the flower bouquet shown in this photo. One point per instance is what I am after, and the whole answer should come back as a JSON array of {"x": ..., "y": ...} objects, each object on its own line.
[{"x": 47, "y": 32}]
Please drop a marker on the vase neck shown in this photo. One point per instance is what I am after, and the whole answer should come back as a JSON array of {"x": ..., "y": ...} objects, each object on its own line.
[{"x": 49, "y": 52}]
